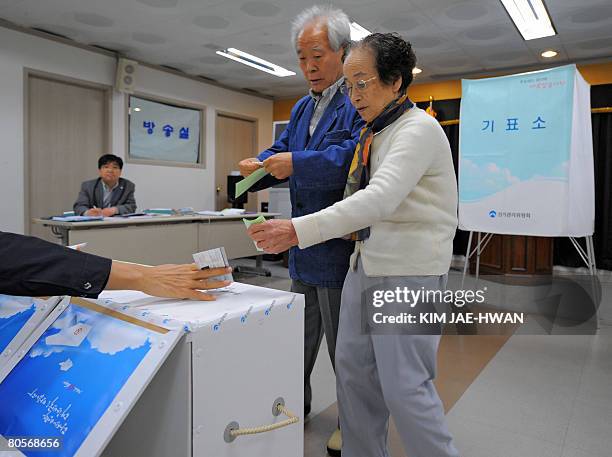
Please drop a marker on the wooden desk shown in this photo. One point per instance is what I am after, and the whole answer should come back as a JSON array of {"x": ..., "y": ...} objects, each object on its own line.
[{"x": 158, "y": 239}]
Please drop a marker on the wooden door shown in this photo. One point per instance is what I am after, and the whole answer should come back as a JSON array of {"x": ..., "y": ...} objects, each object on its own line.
[
  {"x": 515, "y": 254},
  {"x": 236, "y": 139},
  {"x": 67, "y": 130}
]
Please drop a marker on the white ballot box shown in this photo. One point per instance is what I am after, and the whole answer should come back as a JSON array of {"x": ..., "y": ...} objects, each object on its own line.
[
  {"x": 243, "y": 352},
  {"x": 131, "y": 375}
]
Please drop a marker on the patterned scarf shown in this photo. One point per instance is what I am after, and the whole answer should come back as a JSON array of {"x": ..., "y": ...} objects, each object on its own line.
[{"x": 359, "y": 173}]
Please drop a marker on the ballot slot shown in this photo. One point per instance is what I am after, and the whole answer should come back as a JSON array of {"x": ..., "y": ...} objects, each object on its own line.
[
  {"x": 77, "y": 376},
  {"x": 19, "y": 317}
]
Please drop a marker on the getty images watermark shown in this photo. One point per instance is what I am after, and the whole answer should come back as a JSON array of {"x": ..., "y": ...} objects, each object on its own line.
[
  {"x": 458, "y": 298},
  {"x": 536, "y": 306}
]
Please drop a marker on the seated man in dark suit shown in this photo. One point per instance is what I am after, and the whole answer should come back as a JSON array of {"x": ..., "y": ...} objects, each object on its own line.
[{"x": 109, "y": 194}]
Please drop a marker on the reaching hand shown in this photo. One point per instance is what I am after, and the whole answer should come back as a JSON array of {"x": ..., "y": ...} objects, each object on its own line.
[
  {"x": 248, "y": 166},
  {"x": 279, "y": 165},
  {"x": 170, "y": 281},
  {"x": 109, "y": 212},
  {"x": 274, "y": 236},
  {"x": 93, "y": 212}
]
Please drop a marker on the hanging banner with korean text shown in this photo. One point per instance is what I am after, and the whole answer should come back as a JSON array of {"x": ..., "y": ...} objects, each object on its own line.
[
  {"x": 526, "y": 154},
  {"x": 160, "y": 131}
]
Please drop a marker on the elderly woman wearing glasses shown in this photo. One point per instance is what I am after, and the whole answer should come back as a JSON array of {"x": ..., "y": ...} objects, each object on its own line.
[{"x": 400, "y": 206}]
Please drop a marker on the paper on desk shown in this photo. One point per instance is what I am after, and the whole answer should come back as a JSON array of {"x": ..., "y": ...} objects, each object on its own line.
[
  {"x": 249, "y": 222},
  {"x": 224, "y": 212},
  {"x": 145, "y": 216},
  {"x": 136, "y": 214},
  {"x": 209, "y": 213},
  {"x": 77, "y": 218},
  {"x": 249, "y": 181},
  {"x": 233, "y": 211}
]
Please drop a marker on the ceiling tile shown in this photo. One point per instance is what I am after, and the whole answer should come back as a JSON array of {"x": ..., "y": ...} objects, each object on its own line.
[{"x": 448, "y": 36}]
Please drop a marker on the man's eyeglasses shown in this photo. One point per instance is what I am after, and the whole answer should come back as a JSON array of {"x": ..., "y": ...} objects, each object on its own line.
[{"x": 360, "y": 85}]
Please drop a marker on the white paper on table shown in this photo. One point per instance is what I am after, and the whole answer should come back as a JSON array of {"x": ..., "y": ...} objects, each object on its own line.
[
  {"x": 223, "y": 212},
  {"x": 209, "y": 213}
]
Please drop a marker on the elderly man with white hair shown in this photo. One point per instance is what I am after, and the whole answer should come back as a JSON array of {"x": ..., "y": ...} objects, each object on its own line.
[{"x": 314, "y": 153}]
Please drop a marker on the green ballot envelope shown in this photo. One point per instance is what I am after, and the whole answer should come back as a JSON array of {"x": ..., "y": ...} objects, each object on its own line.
[
  {"x": 247, "y": 183},
  {"x": 249, "y": 222}
]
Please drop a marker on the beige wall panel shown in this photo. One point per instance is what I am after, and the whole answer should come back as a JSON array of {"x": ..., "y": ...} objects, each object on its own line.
[
  {"x": 236, "y": 139},
  {"x": 67, "y": 132}
]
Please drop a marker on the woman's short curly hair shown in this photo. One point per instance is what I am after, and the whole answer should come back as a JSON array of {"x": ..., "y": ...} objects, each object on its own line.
[{"x": 393, "y": 55}]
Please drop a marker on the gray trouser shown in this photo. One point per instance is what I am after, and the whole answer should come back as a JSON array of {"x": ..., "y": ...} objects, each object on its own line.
[
  {"x": 382, "y": 375},
  {"x": 320, "y": 316}
]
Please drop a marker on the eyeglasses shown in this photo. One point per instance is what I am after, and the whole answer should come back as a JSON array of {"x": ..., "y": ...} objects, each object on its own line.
[{"x": 360, "y": 85}]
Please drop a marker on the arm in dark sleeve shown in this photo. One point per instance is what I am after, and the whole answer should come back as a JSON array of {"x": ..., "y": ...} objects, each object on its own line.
[
  {"x": 129, "y": 206},
  {"x": 83, "y": 202},
  {"x": 328, "y": 167},
  {"x": 33, "y": 267}
]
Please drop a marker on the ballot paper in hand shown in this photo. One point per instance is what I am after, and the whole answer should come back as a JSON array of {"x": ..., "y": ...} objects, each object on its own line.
[
  {"x": 249, "y": 222},
  {"x": 249, "y": 181},
  {"x": 213, "y": 258}
]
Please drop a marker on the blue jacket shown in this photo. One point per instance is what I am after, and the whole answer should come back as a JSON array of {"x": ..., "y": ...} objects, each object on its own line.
[{"x": 320, "y": 169}]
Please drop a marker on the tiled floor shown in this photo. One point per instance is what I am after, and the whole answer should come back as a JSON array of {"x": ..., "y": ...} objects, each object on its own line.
[
  {"x": 522, "y": 396},
  {"x": 540, "y": 395}
]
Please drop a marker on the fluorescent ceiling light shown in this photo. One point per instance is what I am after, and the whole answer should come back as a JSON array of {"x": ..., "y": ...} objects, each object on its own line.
[
  {"x": 136, "y": 109},
  {"x": 416, "y": 70},
  {"x": 358, "y": 32},
  {"x": 548, "y": 54},
  {"x": 255, "y": 62},
  {"x": 530, "y": 18}
]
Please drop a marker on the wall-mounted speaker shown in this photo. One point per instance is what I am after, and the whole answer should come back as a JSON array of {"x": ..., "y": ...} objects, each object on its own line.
[{"x": 126, "y": 75}]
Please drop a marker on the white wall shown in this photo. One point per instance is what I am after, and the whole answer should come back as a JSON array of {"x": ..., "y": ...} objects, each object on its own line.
[{"x": 155, "y": 185}]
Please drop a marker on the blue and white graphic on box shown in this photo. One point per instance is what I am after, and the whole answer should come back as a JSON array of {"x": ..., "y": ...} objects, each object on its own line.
[
  {"x": 70, "y": 376},
  {"x": 14, "y": 314},
  {"x": 518, "y": 136}
]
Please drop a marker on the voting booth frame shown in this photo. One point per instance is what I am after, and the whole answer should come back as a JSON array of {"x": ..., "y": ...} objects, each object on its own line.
[
  {"x": 179, "y": 388},
  {"x": 536, "y": 181},
  {"x": 587, "y": 256}
]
